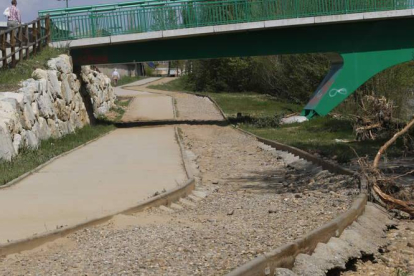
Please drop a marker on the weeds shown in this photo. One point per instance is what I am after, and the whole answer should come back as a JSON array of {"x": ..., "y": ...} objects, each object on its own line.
[{"x": 10, "y": 78}]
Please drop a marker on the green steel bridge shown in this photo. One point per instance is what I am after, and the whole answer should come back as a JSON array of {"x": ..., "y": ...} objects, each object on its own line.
[{"x": 363, "y": 37}]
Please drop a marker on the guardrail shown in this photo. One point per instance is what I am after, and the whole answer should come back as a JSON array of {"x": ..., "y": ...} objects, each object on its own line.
[
  {"x": 24, "y": 40},
  {"x": 147, "y": 16}
]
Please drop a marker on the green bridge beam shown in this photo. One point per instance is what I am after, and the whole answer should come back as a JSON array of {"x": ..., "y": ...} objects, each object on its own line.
[{"x": 348, "y": 72}]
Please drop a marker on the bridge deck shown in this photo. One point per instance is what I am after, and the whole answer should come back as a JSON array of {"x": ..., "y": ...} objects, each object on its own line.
[{"x": 150, "y": 16}]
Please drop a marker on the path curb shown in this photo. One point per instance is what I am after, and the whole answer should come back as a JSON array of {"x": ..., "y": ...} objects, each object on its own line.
[
  {"x": 35, "y": 241},
  {"x": 284, "y": 256}
]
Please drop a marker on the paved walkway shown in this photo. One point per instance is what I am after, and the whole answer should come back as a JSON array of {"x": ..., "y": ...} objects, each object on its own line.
[
  {"x": 110, "y": 174},
  {"x": 146, "y": 106},
  {"x": 189, "y": 106},
  {"x": 121, "y": 92},
  {"x": 149, "y": 107}
]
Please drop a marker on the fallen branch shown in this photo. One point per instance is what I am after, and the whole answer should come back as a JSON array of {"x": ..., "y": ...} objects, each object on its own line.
[
  {"x": 405, "y": 206},
  {"x": 391, "y": 141}
]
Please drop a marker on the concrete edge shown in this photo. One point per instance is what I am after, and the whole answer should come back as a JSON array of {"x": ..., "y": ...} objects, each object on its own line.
[
  {"x": 326, "y": 165},
  {"x": 184, "y": 157},
  {"x": 38, "y": 240},
  {"x": 170, "y": 122},
  {"x": 285, "y": 255},
  {"x": 38, "y": 168},
  {"x": 215, "y": 104},
  {"x": 162, "y": 199}
]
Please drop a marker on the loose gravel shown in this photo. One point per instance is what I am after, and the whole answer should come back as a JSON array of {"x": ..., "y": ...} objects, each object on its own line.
[{"x": 257, "y": 199}]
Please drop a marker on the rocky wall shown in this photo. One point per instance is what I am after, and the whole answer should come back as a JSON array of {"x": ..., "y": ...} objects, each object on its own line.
[
  {"x": 50, "y": 104},
  {"x": 98, "y": 88}
]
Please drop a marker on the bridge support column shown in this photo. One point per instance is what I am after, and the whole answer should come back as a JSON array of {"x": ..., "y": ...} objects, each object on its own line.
[{"x": 348, "y": 72}]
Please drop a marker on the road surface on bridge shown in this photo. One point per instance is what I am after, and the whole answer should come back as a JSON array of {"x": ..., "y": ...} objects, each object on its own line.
[{"x": 111, "y": 174}]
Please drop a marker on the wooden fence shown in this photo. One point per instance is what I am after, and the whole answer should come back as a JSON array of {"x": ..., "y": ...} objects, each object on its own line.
[{"x": 23, "y": 41}]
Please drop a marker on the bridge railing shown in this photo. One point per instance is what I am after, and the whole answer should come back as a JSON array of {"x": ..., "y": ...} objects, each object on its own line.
[
  {"x": 187, "y": 14},
  {"x": 20, "y": 42}
]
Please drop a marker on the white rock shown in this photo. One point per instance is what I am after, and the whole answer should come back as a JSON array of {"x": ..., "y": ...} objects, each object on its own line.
[
  {"x": 54, "y": 129},
  {"x": 39, "y": 74},
  {"x": 54, "y": 88},
  {"x": 62, "y": 64},
  {"x": 294, "y": 119},
  {"x": 42, "y": 86},
  {"x": 31, "y": 140},
  {"x": 9, "y": 116},
  {"x": 29, "y": 89},
  {"x": 6, "y": 146},
  {"x": 44, "y": 131},
  {"x": 63, "y": 127},
  {"x": 67, "y": 92},
  {"x": 29, "y": 118},
  {"x": 35, "y": 109},
  {"x": 45, "y": 106},
  {"x": 17, "y": 143},
  {"x": 18, "y": 97}
]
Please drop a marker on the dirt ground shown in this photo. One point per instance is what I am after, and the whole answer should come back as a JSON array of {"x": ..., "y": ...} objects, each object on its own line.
[{"x": 397, "y": 259}]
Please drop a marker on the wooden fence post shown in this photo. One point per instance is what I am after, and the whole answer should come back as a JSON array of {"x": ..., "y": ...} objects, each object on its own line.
[
  {"x": 48, "y": 32},
  {"x": 39, "y": 26},
  {"x": 27, "y": 41},
  {"x": 34, "y": 32},
  {"x": 13, "y": 47},
  {"x": 20, "y": 43},
  {"x": 3, "y": 38}
]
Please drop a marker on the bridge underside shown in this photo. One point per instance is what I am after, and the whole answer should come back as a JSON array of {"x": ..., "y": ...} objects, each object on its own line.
[{"x": 360, "y": 50}]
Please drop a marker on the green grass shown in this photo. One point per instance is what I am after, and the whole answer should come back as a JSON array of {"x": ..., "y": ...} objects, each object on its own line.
[
  {"x": 121, "y": 105},
  {"x": 175, "y": 85},
  {"x": 316, "y": 136},
  {"x": 127, "y": 80},
  {"x": 28, "y": 160},
  {"x": 319, "y": 136},
  {"x": 253, "y": 104},
  {"x": 10, "y": 78}
]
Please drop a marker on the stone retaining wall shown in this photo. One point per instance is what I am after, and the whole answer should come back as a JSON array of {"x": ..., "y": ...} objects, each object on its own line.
[{"x": 50, "y": 104}]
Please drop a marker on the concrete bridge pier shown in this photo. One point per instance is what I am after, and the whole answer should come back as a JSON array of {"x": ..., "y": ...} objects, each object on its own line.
[{"x": 348, "y": 72}]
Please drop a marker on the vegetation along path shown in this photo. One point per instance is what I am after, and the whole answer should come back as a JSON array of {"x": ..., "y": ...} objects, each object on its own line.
[{"x": 249, "y": 199}]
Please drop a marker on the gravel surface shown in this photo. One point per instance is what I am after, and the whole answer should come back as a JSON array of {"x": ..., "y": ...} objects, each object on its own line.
[
  {"x": 396, "y": 259},
  {"x": 188, "y": 106},
  {"x": 253, "y": 205}
]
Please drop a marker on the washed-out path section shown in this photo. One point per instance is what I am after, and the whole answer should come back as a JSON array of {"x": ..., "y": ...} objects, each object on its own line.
[{"x": 251, "y": 199}]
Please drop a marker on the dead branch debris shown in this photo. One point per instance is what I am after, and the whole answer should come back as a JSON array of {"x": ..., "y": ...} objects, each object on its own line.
[
  {"x": 375, "y": 120},
  {"x": 381, "y": 188}
]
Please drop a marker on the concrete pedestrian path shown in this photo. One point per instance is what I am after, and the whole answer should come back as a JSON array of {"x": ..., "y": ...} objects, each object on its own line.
[
  {"x": 146, "y": 106},
  {"x": 150, "y": 107},
  {"x": 122, "y": 92},
  {"x": 111, "y": 174}
]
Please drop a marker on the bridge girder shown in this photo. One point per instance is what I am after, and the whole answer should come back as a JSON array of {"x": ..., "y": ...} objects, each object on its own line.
[{"x": 362, "y": 49}]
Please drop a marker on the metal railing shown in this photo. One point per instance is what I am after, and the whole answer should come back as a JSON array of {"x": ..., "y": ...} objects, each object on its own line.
[
  {"x": 23, "y": 41},
  {"x": 96, "y": 21}
]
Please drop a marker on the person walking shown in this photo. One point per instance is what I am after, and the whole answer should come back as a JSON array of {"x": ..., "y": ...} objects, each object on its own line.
[
  {"x": 14, "y": 19},
  {"x": 115, "y": 77}
]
